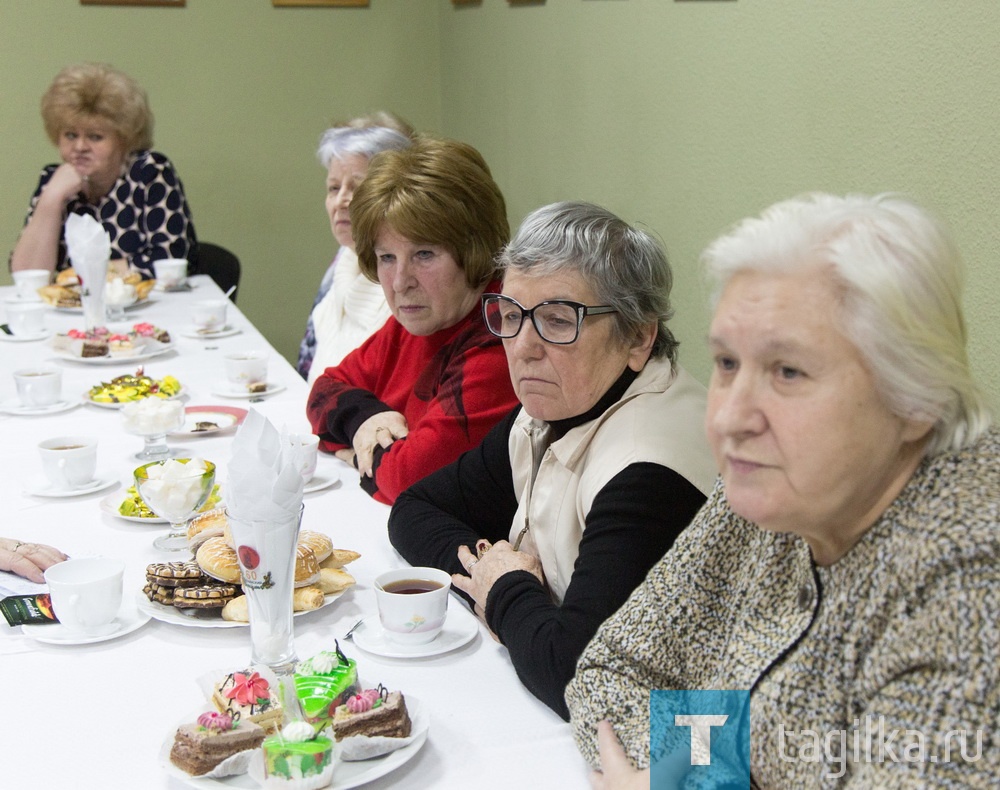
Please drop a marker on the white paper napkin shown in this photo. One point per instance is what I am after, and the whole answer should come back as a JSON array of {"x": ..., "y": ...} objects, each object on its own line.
[
  {"x": 89, "y": 248},
  {"x": 263, "y": 482}
]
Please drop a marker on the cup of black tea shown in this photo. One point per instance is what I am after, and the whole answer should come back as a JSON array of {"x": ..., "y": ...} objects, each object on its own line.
[{"x": 412, "y": 604}]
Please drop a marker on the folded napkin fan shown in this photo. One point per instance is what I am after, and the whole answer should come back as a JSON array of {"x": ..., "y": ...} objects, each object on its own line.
[
  {"x": 89, "y": 248},
  {"x": 264, "y": 483}
]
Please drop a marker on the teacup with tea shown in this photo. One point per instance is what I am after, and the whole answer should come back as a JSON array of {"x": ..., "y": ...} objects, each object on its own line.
[
  {"x": 412, "y": 604},
  {"x": 38, "y": 387},
  {"x": 69, "y": 462}
]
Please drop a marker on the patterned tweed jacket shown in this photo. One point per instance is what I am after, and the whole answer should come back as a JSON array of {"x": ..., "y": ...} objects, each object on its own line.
[{"x": 902, "y": 634}]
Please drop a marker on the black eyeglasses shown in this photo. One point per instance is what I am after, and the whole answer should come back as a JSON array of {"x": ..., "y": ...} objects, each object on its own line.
[{"x": 556, "y": 321}]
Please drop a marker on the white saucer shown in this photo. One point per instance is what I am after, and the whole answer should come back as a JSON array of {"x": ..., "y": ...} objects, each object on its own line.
[
  {"x": 272, "y": 389},
  {"x": 226, "y": 331},
  {"x": 14, "y": 407},
  {"x": 460, "y": 628},
  {"x": 43, "y": 335},
  {"x": 321, "y": 481},
  {"x": 128, "y": 620},
  {"x": 44, "y": 488}
]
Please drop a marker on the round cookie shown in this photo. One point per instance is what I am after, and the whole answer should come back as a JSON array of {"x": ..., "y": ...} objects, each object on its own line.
[
  {"x": 175, "y": 574},
  {"x": 207, "y": 596}
]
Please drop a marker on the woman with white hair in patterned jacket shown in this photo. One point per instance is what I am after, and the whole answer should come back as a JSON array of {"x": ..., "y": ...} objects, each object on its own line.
[{"x": 845, "y": 570}]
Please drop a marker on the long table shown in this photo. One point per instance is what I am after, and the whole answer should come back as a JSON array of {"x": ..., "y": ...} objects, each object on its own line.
[{"x": 98, "y": 715}]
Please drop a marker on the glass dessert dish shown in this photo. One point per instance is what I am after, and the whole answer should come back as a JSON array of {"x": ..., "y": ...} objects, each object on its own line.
[
  {"x": 153, "y": 419},
  {"x": 175, "y": 490}
]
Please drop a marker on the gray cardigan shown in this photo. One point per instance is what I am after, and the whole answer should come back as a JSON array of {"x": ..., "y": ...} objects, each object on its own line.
[{"x": 906, "y": 626}]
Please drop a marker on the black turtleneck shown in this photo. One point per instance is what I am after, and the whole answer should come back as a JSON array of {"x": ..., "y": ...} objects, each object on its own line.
[{"x": 633, "y": 521}]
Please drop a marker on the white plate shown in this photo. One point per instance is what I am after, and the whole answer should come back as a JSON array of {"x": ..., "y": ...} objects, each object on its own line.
[
  {"x": 321, "y": 481},
  {"x": 44, "y": 488},
  {"x": 121, "y": 359},
  {"x": 43, "y": 335},
  {"x": 128, "y": 620},
  {"x": 168, "y": 614},
  {"x": 272, "y": 389},
  {"x": 100, "y": 405},
  {"x": 346, "y": 775},
  {"x": 460, "y": 628},
  {"x": 226, "y": 331},
  {"x": 228, "y": 418},
  {"x": 14, "y": 407},
  {"x": 79, "y": 310},
  {"x": 112, "y": 502}
]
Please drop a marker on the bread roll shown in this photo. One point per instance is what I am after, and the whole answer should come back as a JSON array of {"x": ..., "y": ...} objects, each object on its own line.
[
  {"x": 304, "y": 599},
  {"x": 67, "y": 277},
  {"x": 334, "y": 580},
  {"x": 142, "y": 288},
  {"x": 218, "y": 560},
  {"x": 209, "y": 524},
  {"x": 306, "y": 566},
  {"x": 318, "y": 542},
  {"x": 236, "y": 610},
  {"x": 339, "y": 558}
]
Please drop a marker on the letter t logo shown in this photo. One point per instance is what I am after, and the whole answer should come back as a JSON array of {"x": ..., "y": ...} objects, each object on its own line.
[{"x": 701, "y": 735}]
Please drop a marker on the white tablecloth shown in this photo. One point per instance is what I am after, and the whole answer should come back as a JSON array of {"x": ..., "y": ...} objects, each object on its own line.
[{"x": 97, "y": 715}]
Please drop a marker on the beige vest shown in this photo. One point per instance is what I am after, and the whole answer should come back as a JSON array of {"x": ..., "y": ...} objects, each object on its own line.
[{"x": 660, "y": 419}]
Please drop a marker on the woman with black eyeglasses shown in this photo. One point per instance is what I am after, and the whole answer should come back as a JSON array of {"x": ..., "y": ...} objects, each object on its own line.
[{"x": 557, "y": 516}]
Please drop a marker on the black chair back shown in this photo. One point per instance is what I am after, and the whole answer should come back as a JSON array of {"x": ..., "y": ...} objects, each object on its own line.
[{"x": 221, "y": 265}]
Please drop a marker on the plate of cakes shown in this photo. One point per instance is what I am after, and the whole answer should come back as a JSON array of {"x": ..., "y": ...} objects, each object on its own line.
[
  {"x": 102, "y": 346},
  {"x": 350, "y": 734},
  {"x": 205, "y": 592},
  {"x": 132, "y": 387}
]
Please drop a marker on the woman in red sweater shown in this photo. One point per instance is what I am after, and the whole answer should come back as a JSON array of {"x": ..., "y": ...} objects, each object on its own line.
[{"x": 428, "y": 222}]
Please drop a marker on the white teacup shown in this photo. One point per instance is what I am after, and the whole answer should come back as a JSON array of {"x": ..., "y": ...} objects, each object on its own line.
[
  {"x": 28, "y": 281},
  {"x": 86, "y": 593},
  {"x": 170, "y": 272},
  {"x": 26, "y": 318},
  {"x": 412, "y": 604},
  {"x": 305, "y": 453},
  {"x": 209, "y": 314},
  {"x": 244, "y": 368},
  {"x": 69, "y": 461},
  {"x": 38, "y": 387}
]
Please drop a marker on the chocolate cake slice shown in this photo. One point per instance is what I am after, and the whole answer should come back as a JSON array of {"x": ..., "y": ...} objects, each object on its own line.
[{"x": 386, "y": 716}]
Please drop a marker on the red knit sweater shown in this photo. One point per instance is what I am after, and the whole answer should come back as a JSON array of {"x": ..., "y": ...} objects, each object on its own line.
[{"x": 452, "y": 387}]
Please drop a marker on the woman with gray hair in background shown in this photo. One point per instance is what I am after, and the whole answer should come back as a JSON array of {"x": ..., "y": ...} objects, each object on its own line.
[
  {"x": 846, "y": 569},
  {"x": 554, "y": 519},
  {"x": 348, "y": 306}
]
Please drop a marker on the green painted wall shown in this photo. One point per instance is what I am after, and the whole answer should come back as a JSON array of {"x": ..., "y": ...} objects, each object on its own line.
[
  {"x": 687, "y": 116},
  {"x": 684, "y": 116},
  {"x": 241, "y": 92}
]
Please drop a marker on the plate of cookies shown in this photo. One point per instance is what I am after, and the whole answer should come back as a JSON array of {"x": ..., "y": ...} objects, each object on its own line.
[{"x": 205, "y": 592}]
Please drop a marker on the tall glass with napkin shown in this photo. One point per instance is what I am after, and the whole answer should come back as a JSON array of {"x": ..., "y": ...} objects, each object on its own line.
[
  {"x": 264, "y": 507},
  {"x": 89, "y": 248}
]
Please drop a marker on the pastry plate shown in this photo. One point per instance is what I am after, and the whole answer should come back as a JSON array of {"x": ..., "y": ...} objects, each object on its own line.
[
  {"x": 346, "y": 775},
  {"x": 121, "y": 359},
  {"x": 42, "y": 487},
  {"x": 168, "y": 614},
  {"x": 460, "y": 628},
  {"x": 321, "y": 481},
  {"x": 118, "y": 405},
  {"x": 227, "y": 418},
  {"x": 272, "y": 389},
  {"x": 45, "y": 334},
  {"x": 79, "y": 310},
  {"x": 113, "y": 501},
  {"x": 227, "y": 331},
  {"x": 128, "y": 620},
  {"x": 14, "y": 407}
]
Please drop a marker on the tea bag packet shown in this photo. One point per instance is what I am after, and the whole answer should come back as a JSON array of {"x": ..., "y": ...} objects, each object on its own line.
[{"x": 89, "y": 248}]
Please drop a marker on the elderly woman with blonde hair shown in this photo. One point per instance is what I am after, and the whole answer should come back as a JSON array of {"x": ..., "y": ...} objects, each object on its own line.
[
  {"x": 845, "y": 570},
  {"x": 100, "y": 120}
]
